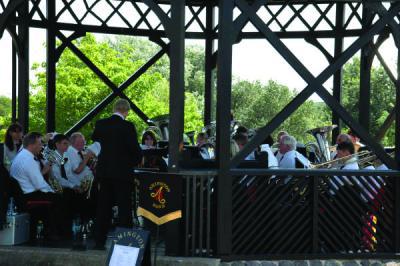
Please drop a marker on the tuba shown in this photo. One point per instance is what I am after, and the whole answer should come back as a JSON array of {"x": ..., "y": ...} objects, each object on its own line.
[{"x": 322, "y": 147}]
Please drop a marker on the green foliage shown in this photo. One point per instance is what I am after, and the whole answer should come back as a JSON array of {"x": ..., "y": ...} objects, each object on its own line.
[
  {"x": 382, "y": 97},
  {"x": 5, "y": 115},
  {"x": 255, "y": 104},
  {"x": 79, "y": 89}
]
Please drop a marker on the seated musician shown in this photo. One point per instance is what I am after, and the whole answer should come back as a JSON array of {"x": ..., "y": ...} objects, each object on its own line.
[
  {"x": 27, "y": 171},
  {"x": 289, "y": 157},
  {"x": 344, "y": 151},
  {"x": 266, "y": 147},
  {"x": 12, "y": 144},
  {"x": 275, "y": 146},
  {"x": 81, "y": 175},
  {"x": 77, "y": 158},
  {"x": 356, "y": 140},
  {"x": 151, "y": 160},
  {"x": 340, "y": 138},
  {"x": 26, "y": 168},
  {"x": 61, "y": 168},
  {"x": 203, "y": 144},
  {"x": 241, "y": 140}
]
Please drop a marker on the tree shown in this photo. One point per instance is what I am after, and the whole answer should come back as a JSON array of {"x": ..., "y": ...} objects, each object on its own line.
[
  {"x": 255, "y": 104},
  {"x": 79, "y": 89},
  {"x": 5, "y": 115},
  {"x": 382, "y": 96}
]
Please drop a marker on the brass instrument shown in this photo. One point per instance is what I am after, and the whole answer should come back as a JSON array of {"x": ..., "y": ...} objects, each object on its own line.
[
  {"x": 86, "y": 185},
  {"x": 337, "y": 163},
  {"x": 371, "y": 159},
  {"x": 55, "y": 185},
  {"x": 54, "y": 158},
  {"x": 322, "y": 147}
]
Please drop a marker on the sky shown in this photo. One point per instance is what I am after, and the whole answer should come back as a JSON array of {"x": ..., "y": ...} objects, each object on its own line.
[{"x": 252, "y": 60}]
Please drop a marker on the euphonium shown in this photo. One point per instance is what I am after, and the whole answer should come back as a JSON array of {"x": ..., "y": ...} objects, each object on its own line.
[{"x": 54, "y": 158}]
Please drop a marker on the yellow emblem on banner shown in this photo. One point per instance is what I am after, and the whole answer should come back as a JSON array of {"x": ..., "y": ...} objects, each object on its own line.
[{"x": 159, "y": 220}]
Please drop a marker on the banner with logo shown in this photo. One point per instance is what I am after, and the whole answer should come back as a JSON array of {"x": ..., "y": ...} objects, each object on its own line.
[{"x": 160, "y": 197}]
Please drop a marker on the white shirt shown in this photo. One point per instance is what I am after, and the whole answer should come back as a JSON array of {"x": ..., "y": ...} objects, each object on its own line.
[
  {"x": 120, "y": 115},
  {"x": 288, "y": 160},
  {"x": 272, "y": 161},
  {"x": 27, "y": 172},
  {"x": 74, "y": 160},
  {"x": 336, "y": 181},
  {"x": 70, "y": 182}
]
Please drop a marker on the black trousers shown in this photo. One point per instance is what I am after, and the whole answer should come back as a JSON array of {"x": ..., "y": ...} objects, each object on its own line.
[
  {"x": 54, "y": 215},
  {"x": 118, "y": 191}
]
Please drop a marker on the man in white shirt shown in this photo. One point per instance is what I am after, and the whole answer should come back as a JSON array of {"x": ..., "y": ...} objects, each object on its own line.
[
  {"x": 26, "y": 168},
  {"x": 79, "y": 171},
  {"x": 290, "y": 158},
  {"x": 77, "y": 159},
  {"x": 61, "y": 169}
]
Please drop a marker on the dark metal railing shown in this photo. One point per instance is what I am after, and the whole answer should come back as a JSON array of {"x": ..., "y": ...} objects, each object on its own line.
[
  {"x": 279, "y": 213},
  {"x": 199, "y": 207}
]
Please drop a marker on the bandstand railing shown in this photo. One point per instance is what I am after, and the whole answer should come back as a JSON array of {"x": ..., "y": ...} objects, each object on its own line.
[{"x": 290, "y": 213}]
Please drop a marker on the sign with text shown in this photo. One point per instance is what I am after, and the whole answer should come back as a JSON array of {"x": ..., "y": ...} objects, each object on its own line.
[
  {"x": 160, "y": 197},
  {"x": 129, "y": 246}
]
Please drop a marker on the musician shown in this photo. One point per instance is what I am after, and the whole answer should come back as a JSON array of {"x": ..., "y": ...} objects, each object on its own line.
[
  {"x": 241, "y": 140},
  {"x": 79, "y": 172},
  {"x": 344, "y": 150},
  {"x": 340, "y": 138},
  {"x": 275, "y": 146},
  {"x": 356, "y": 140},
  {"x": 77, "y": 158},
  {"x": 149, "y": 140},
  {"x": 12, "y": 144},
  {"x": 120, "y": 153},
  {"x": 203, "y": 144},
  {"x": 62, "y": 170},
  {"x": 26, "y": 170},
  {"x": 152, "y": 160},
  {"x": 289, "y": 157}
]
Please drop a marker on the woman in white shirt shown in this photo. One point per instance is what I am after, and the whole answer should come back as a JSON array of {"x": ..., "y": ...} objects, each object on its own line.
[{"x": 12, "y": 143}]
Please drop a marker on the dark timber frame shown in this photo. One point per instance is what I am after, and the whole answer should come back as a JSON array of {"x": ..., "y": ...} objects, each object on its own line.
[{"x": 378, "y": 19}]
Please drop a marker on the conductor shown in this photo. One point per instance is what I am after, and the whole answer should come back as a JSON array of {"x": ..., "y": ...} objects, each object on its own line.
[{"x": 120, "y": 153}]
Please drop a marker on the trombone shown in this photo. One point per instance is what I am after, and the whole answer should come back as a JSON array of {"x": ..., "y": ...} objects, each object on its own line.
[{"x": 336, "y": 163}]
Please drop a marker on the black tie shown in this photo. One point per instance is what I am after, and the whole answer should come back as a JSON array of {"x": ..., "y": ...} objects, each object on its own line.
[
  {"x": 40, "y": 162},
  {"x": 63, "y": 172},
  {"x": 80, "y": 155}
]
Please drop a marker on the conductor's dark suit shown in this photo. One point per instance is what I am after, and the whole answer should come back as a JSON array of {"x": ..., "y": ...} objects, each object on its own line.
[{"x": 120, "y": 153}]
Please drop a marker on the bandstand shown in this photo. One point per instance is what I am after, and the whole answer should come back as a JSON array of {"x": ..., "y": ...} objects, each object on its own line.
[{"x": 220, "y": 217}]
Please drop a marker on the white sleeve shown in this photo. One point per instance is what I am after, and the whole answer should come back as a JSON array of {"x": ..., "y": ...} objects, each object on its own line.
[
  {"x": 37, "y": 180},
  {"x": 95, "y": 148}
]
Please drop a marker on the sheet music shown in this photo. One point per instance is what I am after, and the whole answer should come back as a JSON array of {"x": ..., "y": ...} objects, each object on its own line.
[{"x": 124, "y": 256}]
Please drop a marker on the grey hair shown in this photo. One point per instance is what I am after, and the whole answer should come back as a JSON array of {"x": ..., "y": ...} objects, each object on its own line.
[
  {"x": 74, "y": 136},
  {"x": 121, "y": 105},
  {"x": 290, "y": 141}
]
